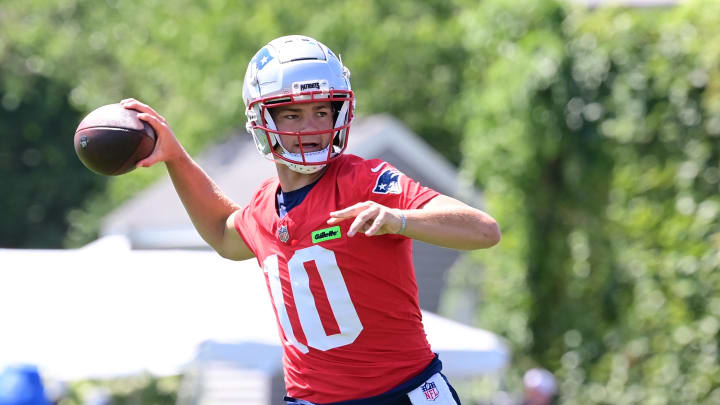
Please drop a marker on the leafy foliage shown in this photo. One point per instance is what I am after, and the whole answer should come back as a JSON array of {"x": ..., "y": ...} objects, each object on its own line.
[
  {"x": 35, "y": 153},
  {"x": 188, "y": 61},
  {"x": 140, "y": 389},
  {"x": 594, "y": 135}
]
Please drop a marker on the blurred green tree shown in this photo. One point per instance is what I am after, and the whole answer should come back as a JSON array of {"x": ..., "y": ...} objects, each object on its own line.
[
  {"x": 594, "y": 135},
  {"x": 42, "y": 176},
  {"x": 188, "y": 59},
  {"x": 129, "y": 390}
]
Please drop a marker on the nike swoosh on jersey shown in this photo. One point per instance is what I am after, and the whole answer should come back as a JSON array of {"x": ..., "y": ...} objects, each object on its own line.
[{"x": 377, "y": 169}]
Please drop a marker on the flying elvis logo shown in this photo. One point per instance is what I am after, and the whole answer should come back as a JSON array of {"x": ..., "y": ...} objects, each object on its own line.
[
  {"x": 262, "y": 58},
  {"x": 388, "y": 182}
]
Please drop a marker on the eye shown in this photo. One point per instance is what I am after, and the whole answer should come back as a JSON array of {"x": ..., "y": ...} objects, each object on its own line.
[
  {"x": 289, "y": 116},
  {"x": 322, "y": 114}
]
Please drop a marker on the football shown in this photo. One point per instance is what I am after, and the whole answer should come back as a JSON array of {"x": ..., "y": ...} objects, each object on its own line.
[{"x": 111, "y": 140}]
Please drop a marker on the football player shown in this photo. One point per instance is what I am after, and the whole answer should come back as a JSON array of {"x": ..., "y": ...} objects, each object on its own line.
[{"x": 332, "y": 232}]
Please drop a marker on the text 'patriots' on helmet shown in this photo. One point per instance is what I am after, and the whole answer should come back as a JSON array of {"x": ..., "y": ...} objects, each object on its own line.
[{"x": 292, "y": 70}]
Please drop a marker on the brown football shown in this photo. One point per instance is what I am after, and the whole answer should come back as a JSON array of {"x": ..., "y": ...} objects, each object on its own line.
[{"x": 111, "y": 140}]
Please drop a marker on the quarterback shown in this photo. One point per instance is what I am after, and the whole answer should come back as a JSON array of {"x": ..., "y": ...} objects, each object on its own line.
[{"x": 332, "y": 232}]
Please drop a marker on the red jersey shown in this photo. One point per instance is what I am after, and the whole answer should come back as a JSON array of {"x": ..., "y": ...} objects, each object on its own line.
[{"x": 347, "y": 307}]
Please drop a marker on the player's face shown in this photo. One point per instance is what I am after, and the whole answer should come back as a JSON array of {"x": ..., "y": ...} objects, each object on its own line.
[{"x": 304, "y": 118}]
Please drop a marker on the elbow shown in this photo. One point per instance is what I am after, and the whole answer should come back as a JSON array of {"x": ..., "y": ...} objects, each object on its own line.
[
  {"x": 230, "y": 254},
  {"x": 494, "y": 234},
  {"x": 224, "y": 254},
  {"x": 487, "y": 236},
  {"x": 219, "y": 249}
]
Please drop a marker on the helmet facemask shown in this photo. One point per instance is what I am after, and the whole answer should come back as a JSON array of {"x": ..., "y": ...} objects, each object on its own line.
[{"x": 341, "y": 104}]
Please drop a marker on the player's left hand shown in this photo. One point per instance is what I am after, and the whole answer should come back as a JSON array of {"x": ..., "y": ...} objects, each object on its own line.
[{"x": 371, "y": 219}]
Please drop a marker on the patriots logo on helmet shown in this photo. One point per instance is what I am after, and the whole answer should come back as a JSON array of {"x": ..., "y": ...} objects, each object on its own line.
[
  {"x": 388, "y": 182},
  {"x": 262, "y": 58}
]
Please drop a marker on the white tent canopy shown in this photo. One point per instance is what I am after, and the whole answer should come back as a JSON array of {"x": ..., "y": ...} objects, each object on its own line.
[{"x": 106, "y": 310}]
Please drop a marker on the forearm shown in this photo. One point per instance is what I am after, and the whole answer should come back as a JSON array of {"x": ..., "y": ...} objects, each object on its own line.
[
  {"x": 204, "y": 202},
  {"x": 464, "y": 228},
  {"x": 442, "y": 221}
]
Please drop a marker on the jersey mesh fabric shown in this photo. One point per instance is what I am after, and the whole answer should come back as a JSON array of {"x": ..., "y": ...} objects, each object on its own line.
[{"x": 379, "y": 341}]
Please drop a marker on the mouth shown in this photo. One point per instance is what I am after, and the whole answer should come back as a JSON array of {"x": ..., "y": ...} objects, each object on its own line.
[{"x": 309, "y": 146}]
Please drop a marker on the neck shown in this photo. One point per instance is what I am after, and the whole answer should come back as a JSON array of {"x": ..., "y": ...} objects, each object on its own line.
[{"x": 290, "y": 180}]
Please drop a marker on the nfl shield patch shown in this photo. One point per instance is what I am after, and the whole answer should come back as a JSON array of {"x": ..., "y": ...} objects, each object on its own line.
[
  {"x": 283, "y": 234},
  {"x": 430, "y": 390},
  {"x": 435, "y": 390}
]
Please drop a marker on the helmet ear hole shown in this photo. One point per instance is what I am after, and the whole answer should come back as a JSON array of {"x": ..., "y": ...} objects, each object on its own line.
[{"x": 336, "y": 106}]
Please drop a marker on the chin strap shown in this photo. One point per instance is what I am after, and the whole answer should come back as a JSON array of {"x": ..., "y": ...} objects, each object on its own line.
[{"x": 317, "y": 156}]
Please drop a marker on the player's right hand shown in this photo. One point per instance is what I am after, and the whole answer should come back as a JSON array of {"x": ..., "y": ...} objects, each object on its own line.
[
  {"x": 369, "y": 218},
  {"x": 167, "y": 147}
]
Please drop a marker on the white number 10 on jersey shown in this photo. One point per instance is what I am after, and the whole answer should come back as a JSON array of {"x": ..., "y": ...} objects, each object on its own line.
[{"x": 332, "y": 280}]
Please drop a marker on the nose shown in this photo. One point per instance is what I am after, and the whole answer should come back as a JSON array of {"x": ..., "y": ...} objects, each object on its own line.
[{"x": 312, "y": 123}]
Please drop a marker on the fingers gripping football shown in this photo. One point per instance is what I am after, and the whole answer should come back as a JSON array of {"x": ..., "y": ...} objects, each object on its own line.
[
  {"x": 167, "y": 147},
  {"x": 371, "y": 218},
  {"x": 144, "y": 108}
]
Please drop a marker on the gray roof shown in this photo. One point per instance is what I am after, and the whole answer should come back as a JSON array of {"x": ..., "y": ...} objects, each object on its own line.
[
  {"x": 238, "y": 170},
  {"x": 156, "y": 219}
]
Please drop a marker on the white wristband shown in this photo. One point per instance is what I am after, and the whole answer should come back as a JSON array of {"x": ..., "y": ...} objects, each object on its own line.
[{"x": 403, "y": 222}]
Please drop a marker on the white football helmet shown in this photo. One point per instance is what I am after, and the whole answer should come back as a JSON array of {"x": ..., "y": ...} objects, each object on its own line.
[{"x": 290, "y": 70}]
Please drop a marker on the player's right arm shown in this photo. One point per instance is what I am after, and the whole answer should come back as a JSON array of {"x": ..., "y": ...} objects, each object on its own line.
[{"x": 212, "y": 213}]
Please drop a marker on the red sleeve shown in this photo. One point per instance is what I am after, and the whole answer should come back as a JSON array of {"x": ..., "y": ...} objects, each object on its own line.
[
  {"x": 244, "y": 223},
  {"x": 416, "y": 195},
  {"x": 246, "y": 219}
]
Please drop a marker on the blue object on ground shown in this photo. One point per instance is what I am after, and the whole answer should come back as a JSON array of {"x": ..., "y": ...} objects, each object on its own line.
[{"x": 21, "y": 385}]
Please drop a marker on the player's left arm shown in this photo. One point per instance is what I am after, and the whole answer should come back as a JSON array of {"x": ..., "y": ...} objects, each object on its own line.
[{"x": 442, "y": 221}]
